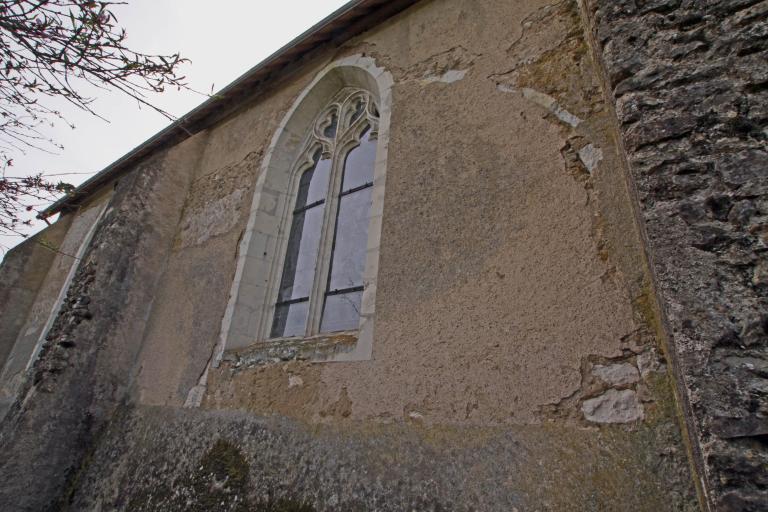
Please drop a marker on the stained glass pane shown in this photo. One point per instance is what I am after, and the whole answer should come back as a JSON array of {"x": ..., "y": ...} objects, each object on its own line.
[
  {"x": 348, "y": 261},
  {"x": 341, "y": 312},
  {"x": 358, "y": 168},
  {"x": 290, "y": 320}
]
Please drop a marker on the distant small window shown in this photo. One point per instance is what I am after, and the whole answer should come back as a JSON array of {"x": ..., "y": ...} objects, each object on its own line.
[{"x": 321, "y": 284}]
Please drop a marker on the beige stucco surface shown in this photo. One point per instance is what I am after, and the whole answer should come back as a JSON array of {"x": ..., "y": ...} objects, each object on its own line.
[{"x": 507, "y": 267}]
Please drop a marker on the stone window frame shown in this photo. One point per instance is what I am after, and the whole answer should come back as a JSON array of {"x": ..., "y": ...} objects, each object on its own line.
[
  {"x": 347, "y": 136},
  {"x": 248, "y": 316}
]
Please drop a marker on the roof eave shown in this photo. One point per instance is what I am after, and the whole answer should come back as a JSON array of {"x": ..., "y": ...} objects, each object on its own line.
[{"x": 349, "y": 20}]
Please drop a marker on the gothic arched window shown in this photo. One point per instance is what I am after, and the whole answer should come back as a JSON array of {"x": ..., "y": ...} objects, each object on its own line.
[{"x": 321, "y": 284}]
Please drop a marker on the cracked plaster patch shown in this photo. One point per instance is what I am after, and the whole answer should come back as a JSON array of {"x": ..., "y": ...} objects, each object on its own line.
[
  {"x": 415, "y": 415},
  {"x": 215, "y": 218},
  {"x": 450, "y": 76},
  {"x": 505, "y": 88},
  {"x": 445, "y": 67},
  {"x": 195, "y": 396},
  {"x": 550, "y": 103},
  {"x": 546, "y": 101},
  {"x": 613, "y": 406}
]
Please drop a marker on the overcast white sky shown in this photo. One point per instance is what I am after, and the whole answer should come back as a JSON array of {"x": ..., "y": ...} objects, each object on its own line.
[{"x": 223, "y": 39}]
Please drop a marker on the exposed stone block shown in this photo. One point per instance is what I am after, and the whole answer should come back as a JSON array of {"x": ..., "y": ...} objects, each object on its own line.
[
  {"x": 689, "y": 84},
  {"x": 613, "y": 406},
  {"x": 617, "y": 374}
]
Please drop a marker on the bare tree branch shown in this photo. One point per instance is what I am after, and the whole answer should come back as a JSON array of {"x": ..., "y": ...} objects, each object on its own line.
[{"x": 47, "y": 48}]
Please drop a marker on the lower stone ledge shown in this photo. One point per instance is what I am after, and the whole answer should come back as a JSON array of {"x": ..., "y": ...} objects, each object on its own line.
[
  {"x": 316, "y": 348},
  {"x": 169, "y": 459}
]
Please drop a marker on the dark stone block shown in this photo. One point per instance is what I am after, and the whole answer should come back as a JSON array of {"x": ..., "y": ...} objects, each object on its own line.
[{"x": 749, "y": 426}]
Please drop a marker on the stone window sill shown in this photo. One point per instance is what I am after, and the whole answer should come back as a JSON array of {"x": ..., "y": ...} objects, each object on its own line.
[{"x": 319, "y": 348}]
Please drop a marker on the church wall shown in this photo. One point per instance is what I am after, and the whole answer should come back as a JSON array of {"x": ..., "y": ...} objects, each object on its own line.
[
  {"x": 223, "y": 175},
  {"x": 516, "y": 349},
  {"x": 470, "y": 204},
  {"x": 67, "y": 253},
  {"x": 517, "y": 358}
]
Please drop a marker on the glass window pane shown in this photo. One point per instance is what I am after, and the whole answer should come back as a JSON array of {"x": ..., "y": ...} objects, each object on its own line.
[
  {"x": 290, "y": 320},
  {"x": 299, "y": 269},
  {"x": 341, "y": 312},
  {"x": 330, "y": 129},
  {"x": 358, "y": 167},
  {"x": 351, "y": 240},
  {"x": 356, "y": 110},
  {"x": 314, "y": 182}
]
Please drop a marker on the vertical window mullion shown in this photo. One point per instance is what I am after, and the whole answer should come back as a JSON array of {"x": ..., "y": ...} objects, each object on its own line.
[{"x": 325, "y": 248}]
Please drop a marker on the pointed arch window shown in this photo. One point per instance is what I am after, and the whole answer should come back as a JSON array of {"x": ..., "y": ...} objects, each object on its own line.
[{"x": 322, "y": 276}]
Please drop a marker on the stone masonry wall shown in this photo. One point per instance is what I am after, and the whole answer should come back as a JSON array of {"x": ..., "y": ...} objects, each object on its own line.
[
  {"x": 690, "y": 82},
  {"x": 23, "y": 270},
  {"x": 84, "y": 369}
]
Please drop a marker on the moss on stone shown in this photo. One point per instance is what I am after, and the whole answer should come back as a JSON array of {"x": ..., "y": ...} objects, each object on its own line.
[
  {"x": 225, "y": 462},
  {"x": 219, "y": 481}
]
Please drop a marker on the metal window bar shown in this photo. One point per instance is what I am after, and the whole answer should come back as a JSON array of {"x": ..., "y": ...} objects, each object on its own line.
[
  {"x": 356, "y": 189},
  {"x": 291, "y": 301},
  {"x": 308, "y": 206},
  {"x": 342, "y": 291}
]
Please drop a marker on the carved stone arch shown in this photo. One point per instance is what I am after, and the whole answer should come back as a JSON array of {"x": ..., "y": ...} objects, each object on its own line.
[{"x": 248, "y": 311}]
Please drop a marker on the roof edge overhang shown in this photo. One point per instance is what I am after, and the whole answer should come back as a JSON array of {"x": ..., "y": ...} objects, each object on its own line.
[{"x": 349, "y": 20}]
